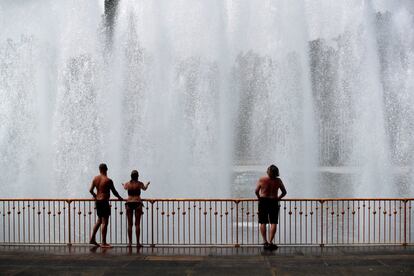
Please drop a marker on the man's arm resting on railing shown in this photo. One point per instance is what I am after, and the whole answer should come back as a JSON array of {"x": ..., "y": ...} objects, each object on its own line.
[
  {"x": 91, "y": 190},
  {"x": 283, "y": 189},
  {"x": 115, "y": 192},
  {"x": 257, "y": 191}
]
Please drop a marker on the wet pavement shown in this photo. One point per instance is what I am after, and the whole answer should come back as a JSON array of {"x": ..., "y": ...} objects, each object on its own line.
[{"x": 288, "y": 260}]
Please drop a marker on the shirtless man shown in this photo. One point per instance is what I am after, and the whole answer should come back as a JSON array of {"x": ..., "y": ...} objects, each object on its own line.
[
  {"x": 103, "y": 186},
  {"x": 267, "y": 192}
]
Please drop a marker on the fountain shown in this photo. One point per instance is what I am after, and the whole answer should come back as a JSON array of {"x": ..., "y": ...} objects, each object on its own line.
[{"x": 201, "y": 96}]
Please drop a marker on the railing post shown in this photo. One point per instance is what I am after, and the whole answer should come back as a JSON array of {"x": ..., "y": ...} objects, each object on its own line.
[
  {"x": 405, "y": 223},
  {"x": 321, "y": 244},
  {"x": 69, "y": 225},
  {"x": 237, "y": 223},
  {"x": 152, "y": 224}
]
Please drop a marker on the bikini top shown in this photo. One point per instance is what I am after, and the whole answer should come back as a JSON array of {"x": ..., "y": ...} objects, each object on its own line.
[{"x": 135, "y": 191}]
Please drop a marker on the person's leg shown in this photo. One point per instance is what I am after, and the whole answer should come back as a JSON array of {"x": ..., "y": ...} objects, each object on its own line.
[
  {"x": 94, "y": 231},
  {"x": 104, "y": 231},
  {"x": 263, "y": 232},
  {"x": 138, "y": 213},
  {"x": 129, "y": 213},
  {"x": 273, "y": 228},
  {"x": 273, "y": 219},
  {"x": 263, "y": 219}
]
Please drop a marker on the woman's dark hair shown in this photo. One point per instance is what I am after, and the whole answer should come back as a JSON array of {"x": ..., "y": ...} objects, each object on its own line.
[
  {"x": 273, "y": 171},
  {"x": 134, "y": 175}
]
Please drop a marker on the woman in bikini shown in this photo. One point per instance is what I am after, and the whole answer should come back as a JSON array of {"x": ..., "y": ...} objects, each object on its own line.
[{"x": 134, "y": 204}]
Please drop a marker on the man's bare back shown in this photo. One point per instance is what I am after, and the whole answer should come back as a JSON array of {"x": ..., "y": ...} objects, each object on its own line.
[
  {"x": 103, "y": 185},
  {"x": 268, "y": 188}
]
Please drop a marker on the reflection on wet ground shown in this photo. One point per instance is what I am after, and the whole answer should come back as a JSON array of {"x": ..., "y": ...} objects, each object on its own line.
[{"x": 287, "y": 260}]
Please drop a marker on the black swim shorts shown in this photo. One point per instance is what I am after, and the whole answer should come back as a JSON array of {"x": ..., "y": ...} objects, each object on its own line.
[
  {"x": 102, "y": 208},
  {"x": 268, "y": 210}
]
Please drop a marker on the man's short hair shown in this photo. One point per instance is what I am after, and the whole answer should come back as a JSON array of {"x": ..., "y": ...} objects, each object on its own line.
[
  {"x": 273, "y": 171},
  {"x": 103, "y": 167}
]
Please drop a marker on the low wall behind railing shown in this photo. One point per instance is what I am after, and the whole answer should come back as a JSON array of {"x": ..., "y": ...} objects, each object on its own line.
[{"x": 211, "y": 222}]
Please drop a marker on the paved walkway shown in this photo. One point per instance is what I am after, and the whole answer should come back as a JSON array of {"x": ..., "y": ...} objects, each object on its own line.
[{"x": 84, "y": 260}]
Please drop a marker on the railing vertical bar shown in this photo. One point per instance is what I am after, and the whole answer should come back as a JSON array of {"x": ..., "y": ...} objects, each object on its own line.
[
  {"x": 359, "y": 219},
  {"x": 353, "y": 221},
  {"x": 158, "y": 221},
  {"x": 178, "y": 221},
  {"x": 211, "y": 222},
  {"x": 400, "y": 221},
  {"x": 4, "y": 222},
  {"x": 162, "y": 221},
  {"x": 24, "y": 221},
  {"x": 189, "y": 221},
  {"x": 69, "y": 224},
  {"x": 242, "y": 222},
  {"x": 347, "y": 240},
  {"x": 14, "y": 221},
  {"x": 306, "y": 222},
  {"x": 79, "y": 222},
  {"x": 253, "y": 222},
  {"x": 290, "y": 222},
  {"x": 410, "y": 214},
  {"x": 363, "y": 221},
  {"x": 343, "y": 221},
  {"x": 327, "y": 224},
  {"x": 374, "y": 222},
  {"x": 173, "y": 232},
  {"x": 221, "y": 222},
  {"x": 34, "y": 220},
  {"x": 311, "y": 222},
  {"x": 409, "y": 224},
  {"x": 199, "y": 222},
  {"x": 39, "y": 212},
  {"x": 237, "y": 223},
  {"x": 295, "y": 208},
  {"x": 195, "y": 222},
  {"x": 215, "y": 218},
  {"x": 379, "y": 221},
  {"x": 18, "y": 221},
  {"x": 227, "y": 223},
  {"x": 205, "y": 222},
  {"x": 321, "y": 244},
  {"x": 337, "y": 223},
  {"x": 300, "y": 220},
  {"x": 7, "y": 222},
  {"x": 59, "y": 228},
  {"x": 395, "y": 221},
  {"x": 152, "y": 224},
  {"x": 48, "y": 220},
  {"x": 184, "y": 214},
  {"x": 146, "y": 224}
]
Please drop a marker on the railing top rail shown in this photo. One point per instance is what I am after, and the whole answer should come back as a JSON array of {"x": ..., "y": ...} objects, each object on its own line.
[{"x": 211, "y": 199}]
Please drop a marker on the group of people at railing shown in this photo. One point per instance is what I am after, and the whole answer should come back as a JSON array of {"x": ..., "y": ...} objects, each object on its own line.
[{"x": 267, "y": 192}]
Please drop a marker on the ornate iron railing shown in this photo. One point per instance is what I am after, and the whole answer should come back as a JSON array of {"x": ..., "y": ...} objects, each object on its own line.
[{"x": 212, "y": 222}]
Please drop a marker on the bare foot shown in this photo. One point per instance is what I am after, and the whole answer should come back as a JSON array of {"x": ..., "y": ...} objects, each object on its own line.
[
  {"x": 106, "y": 245},
  {"x": 93, "y": 242},
  {"x": 129, "y": 245},
  {"x": 139, "y": 245}
]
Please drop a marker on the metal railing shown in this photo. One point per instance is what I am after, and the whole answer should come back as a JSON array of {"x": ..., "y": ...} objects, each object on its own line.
[{"x": 211, "y": 222}]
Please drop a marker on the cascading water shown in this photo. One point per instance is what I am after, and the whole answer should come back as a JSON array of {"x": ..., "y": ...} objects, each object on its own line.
[{"x": 201, "y": 95}]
